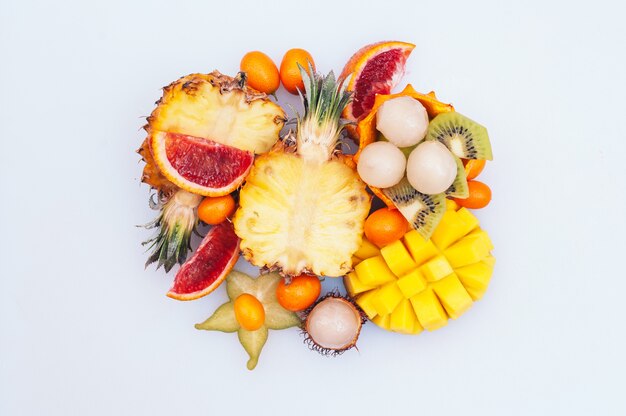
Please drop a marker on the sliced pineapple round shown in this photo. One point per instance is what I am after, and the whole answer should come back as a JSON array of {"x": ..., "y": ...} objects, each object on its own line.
[
  {"x": 298, "y": 217},
  {"x": 414, "y": 284}
]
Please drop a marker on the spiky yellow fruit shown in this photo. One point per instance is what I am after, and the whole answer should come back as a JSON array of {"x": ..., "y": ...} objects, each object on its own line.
[{"x": 302, "y": 208}]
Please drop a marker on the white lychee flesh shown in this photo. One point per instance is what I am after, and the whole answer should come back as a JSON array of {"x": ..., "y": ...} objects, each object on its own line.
[
  {"x": 381, "y": 164},
  {"x": 431, "y": 168},
  {"x": 403, "y": 121},
  {"x": 334, "y": 324}
]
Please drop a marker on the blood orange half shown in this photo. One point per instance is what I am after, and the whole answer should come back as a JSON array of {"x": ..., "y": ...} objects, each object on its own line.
[
  {"x": 209, "y": 265},
  {"x": 199, "y": 165},
  {"x": 375, "y": 69}
]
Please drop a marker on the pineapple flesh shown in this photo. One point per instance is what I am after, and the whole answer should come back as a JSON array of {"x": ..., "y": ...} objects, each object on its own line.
[
  {"x": 302, "y": 208},
  {"x": 220, "y": 108}
]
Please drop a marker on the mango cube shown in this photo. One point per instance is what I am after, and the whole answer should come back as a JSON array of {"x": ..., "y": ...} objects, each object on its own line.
[
  {"x": 451, "y": 205},
  {"x": 387, "y": 298},
  {"x": 354, "y": 285},
  {"x": 355, "y": 261},
  {"x": 489, "y": 261},
  {"x": 475, "y": 277},
  {"x": 382, "y": 321},
  {"x": 469, "y": 219},
  {"x": 398, "y": 258},
  {"x": 470, "y": 249},
  {"x": 451, "y": 228},
  {"x": 429, "y": 311},
  {"x": 365, "y": 303},
  {"x": 412, "y": 283},
  {"x": 453, "y": 296},
  {"x": 421, "y": 250},
  {"x": 366, "y": 250},
  {"x": 417, "y": 328},
  {"x": 403, "y": 318},
  {"x": 436, "y": 268},
  {"x": 482, "y": 235},
  {"x": 373, "y": 271}
]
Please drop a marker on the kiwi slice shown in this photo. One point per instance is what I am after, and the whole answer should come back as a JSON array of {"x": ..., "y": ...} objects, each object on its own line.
[
  {"x": 464, "y": 137},
  {"x": 422, "y": 211},
  {"x": 459, "y": 188}
]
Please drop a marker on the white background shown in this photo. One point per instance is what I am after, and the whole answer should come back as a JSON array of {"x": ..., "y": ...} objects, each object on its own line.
[{"x": 85, "y": 330}]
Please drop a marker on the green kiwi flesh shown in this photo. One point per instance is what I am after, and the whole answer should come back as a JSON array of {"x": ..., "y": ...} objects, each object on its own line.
[
  {"x": 459, "y": 188},
  {"x": 464, "y": 137},
  {"x": 422, "y": 211}
]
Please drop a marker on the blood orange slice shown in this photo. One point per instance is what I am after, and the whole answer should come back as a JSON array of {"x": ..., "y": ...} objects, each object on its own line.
[
  {"x": 375, "y": 69},
  {"x": 209, "y": 265},
  {"x": 199, "y": 165}
]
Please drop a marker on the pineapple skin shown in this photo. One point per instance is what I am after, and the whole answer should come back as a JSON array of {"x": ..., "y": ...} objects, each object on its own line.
[
  {"x": 299, "y": 216},
  {"x": 220, "y": 108}
]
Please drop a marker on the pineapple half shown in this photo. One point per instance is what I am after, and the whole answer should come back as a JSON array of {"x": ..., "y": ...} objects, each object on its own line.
[
  {"x": 302, "y": 208},
  {"x": 211, "y": 106}
]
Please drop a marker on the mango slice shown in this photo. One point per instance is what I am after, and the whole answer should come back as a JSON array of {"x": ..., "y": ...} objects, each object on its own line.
[
  {"x": 421, "y": 250},
  {"x": 374, "y": 271},
  {"x": 382, "y": 321},
  {"x": 354, "y": 285},
  {"x": 453, "y": 296},
  {"x": 429, "y": 311},
  {"x": 387, "y": 298},
  {"x": 365, "y": 303},
  {"x": 412, "y": 283},
  {"x": 436, "y": 268},
  {"x": 398, "y": 258},
  {"x": 475, "y": 277},
  {"x": 367, "y": 250},
  {"x": 403, "y": 318}
]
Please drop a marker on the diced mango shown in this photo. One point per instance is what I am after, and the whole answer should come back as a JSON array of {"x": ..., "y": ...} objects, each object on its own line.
[
  {"x": 470, "y": 220},
  {"x": 453, "y": 296},
  {"x": 354, "y": 285},
  {"x": 355, "y": 261},
  {"x": 489, "y": 261},
  {"x": 482, "y": 235},
  {"x": 436, "y": 268},
  {"x": 382, "y": 321},
  {"x": 421, "y": 250},
  {"x": 429, "y": 311},
  {"x": 451, "y": 205},
  {"x": 417, "y": 328},
  {"x": 412, "y": 283},
  {"x": 367, "y": 250},
  {"x": 451, "y": 228},
  {"x": 387, "y": 298},
  {"x": 403, "y": 318},
  {"x": 470, "y": 249},
  {"x": 475, "y": 277},
  {"x": 373, "y": 271},
  {"x": 365, "y": 303},
  {"x": 398, "y": 258}
]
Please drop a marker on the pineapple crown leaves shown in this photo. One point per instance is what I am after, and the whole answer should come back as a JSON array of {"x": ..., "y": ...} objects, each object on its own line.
[
  {"x": 169, "y": 246},
  {"x": 324, "y": 99},
  {"x": 175, "y": 223}
]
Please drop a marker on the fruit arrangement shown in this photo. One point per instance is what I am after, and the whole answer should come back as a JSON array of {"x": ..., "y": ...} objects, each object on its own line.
[{"x": 291, "y": 202}]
